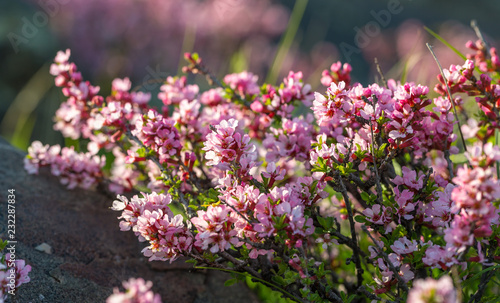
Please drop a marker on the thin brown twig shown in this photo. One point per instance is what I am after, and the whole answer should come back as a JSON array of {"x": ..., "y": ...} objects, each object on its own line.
[
  {"x": 449, "y": 94},
  {"x": 479, "y": 34},
  {"x": 355, "y": 247},
  {"x": 450, "y": 164},
  {"x": 379, "y": 70}
]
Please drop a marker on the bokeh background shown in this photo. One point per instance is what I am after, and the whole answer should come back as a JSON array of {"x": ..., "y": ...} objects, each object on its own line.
[{"x": 145, "y": 40}]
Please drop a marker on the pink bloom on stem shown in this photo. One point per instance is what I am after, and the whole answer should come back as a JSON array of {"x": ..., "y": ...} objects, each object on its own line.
[
  {"x": 136, "y": 291},
  {"x": 337, "y": 73},
  {"x": 404, "y": 246},
  {"x": 430, "y": 290},
  {"x": 176, "y": 89},
  {"x": 244, "y": 83},
  {"x": 410, "y": 179},
  {"x": 225, "y": 144}
]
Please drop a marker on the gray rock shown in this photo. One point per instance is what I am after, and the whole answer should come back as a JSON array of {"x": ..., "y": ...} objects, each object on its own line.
[{"x": 89, "y": 254}]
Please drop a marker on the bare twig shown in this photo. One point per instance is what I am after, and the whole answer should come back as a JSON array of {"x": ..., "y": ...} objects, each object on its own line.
[
  {"x": 479, "y": 34},
  {"x": 377, "y": 178},
  {"x": 379, "y": 70},
  {"x": 449, "y": 95},
  {"x": 355, "y": 247},
  {"x": 450, "y": 164}
]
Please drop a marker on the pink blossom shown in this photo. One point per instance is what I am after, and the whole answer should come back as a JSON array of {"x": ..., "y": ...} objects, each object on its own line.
[
  {"x": 404, "y": 246},
  {"x": 293, "y": 140},
  {"x": 151, "y": 220},
  {"x": 176, "y": 89},
  {"x": 244, "y": 83},
  {"x": 400, "y": 131},
  {"x": 73, "y": 169},
  {"x": 136, "y": 291},
  {"x": 14, "y": 269},
  {"x": 410, "y": 179},
  {"x": 226, "y": 145},
  {"x": 294, "y": 89},
  {"x": 326, "y": 241},
  {"x": 337, "y": 73},
  {"x": 159, "y": 134},
  {"x": 213, "y": 97},
  {"x": 483, "y": 155},
  {"x": 375, "y": 214},
  {"x": 215, "y": 229},
  {"x": 430, "y": 290}
]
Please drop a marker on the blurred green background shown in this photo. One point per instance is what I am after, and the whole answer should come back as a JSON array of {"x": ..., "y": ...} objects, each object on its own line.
[{"x": 145, "y": 40}]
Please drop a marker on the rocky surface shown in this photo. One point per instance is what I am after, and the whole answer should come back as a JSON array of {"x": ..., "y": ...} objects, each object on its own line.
[{"x": 89, "y": 255}]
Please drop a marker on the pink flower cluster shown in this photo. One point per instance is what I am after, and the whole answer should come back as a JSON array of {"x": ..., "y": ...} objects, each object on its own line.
[
  {"x": 352, "y": 115},
  {"x": 121, "y": 110},
  {"x": 159, "y": 134},
  {"x": 430, "y": 290},
  {"x": 481, "y": 54},
  {"x": 73, "y": 169},
  {"x": 73, "y": 115},
  {"x": 213, "y": 97},
  {"x": 136, "y": 291},
  {"x": 291, "y": 141},
  {"x": 176, "y": 89},
  {"x": 226, "y": 145},
  {"x": 151, "y": 219},
  {"x": 337, "y": 73},
  {"x": 403, "y": 249},
  {"x": 13, "y": 273},
  {"x": 375, "y": 145},
  {"x": 279, "y": 100},
  {"x": 215, "y": 229},
  {"x": 281, "y": 210},
  {"x": 462, "y": 79},
  {"x": 473, "y": 198},
  {"x": 244, "y": 84},
  {"x": 405, "y": 207},
  {"x": 407, "y": 115}
]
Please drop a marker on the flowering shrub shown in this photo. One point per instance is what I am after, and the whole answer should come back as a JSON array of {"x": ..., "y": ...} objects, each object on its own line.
[{"x": 363, "y": 196}]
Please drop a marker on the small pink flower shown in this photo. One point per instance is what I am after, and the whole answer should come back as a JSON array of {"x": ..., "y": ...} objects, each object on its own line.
[
  {"x": 404, "y": 246},
  {"x": 430, "y": 290},
  {"x": 176, "y": 89},
  {"x": 244, "y": 83},
  {"x": 136, "y": 290}
]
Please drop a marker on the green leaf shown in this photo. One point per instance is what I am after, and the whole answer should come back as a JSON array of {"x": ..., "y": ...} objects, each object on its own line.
[
  {"x": 397, "y": 167},
  {"x": 365, "y": 196},
  {"x": 360, "y": 219},
  {"x": 3, "y": 244},
  {"x": 458, "y": 158},
  {"x": 435, "y": 35},
  {"x": 470, "y": 280},
  {"x": 279, "y": 280},
  {"x": 230, "y": 282},
  {"x": 141, "y": 152},
  {"x": 327, "y": 222}
]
